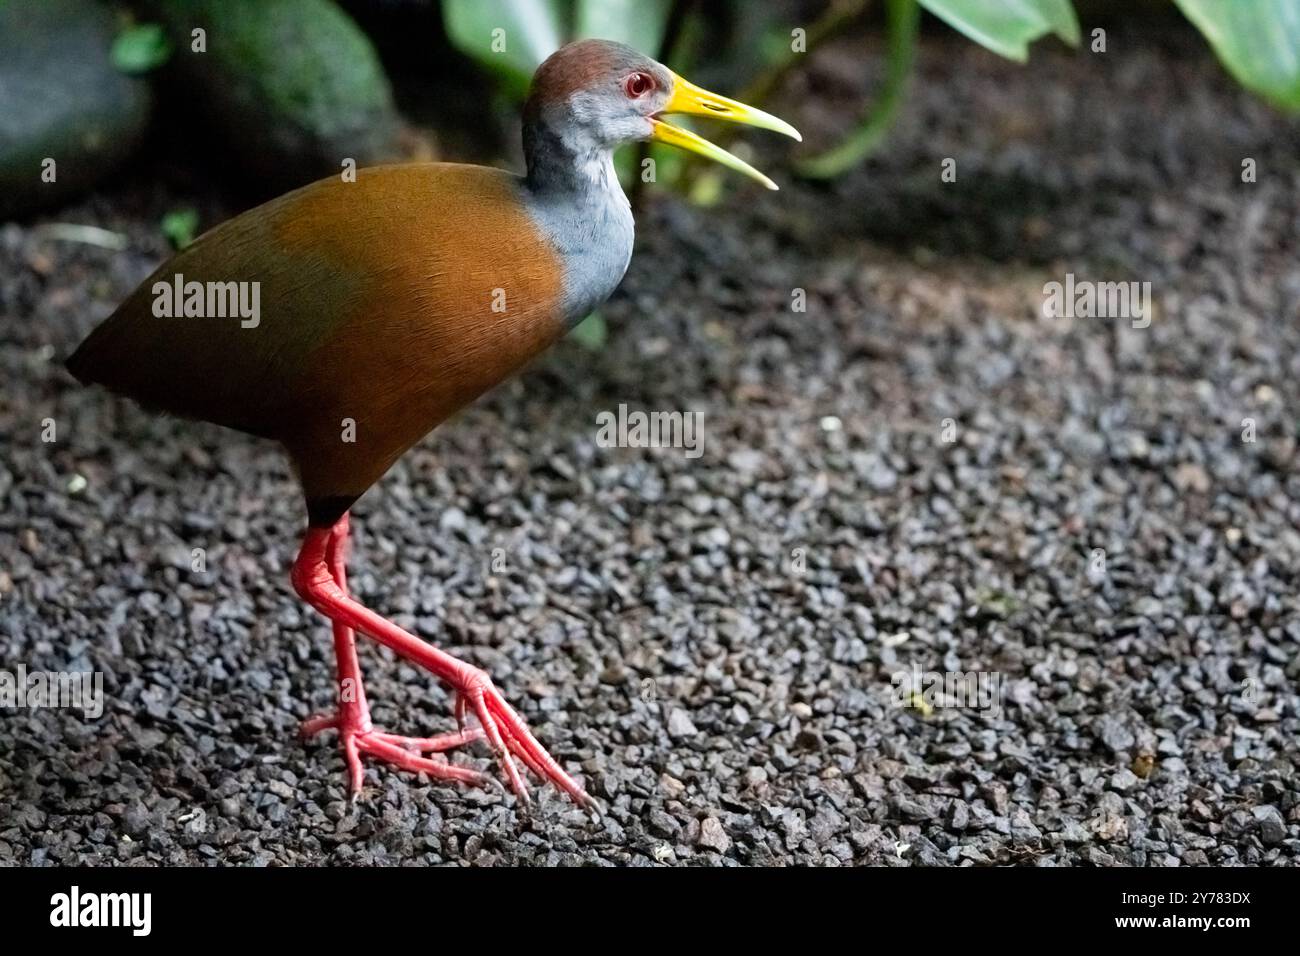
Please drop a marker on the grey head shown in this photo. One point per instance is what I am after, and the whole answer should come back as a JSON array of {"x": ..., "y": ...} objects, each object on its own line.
[{"x": 587, "y": 99}]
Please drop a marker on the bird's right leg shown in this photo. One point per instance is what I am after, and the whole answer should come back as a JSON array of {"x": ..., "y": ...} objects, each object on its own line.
[{"x": 352, "y": 719}]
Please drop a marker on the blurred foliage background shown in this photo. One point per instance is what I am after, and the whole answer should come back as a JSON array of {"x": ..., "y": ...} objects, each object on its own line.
[{"x": 270, "y": 94}]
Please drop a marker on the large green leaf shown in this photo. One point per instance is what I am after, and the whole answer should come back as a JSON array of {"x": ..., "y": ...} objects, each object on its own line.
[
  {"x": 1257, "y": 40},
  {"x": 510, "y": 36},
  {"x": 1008, "y": 27},
  {"x": 638, "y": 23}
]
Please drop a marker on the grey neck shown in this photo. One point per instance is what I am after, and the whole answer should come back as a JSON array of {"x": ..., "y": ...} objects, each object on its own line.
[
  {"x": 555, "y": 166},
  {"x": 576, "y": 200}
]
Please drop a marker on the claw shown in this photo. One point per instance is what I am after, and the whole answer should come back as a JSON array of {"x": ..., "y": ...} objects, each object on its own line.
[
  {"x": 403, "y": 752},
  {"x": 524, "y": 755},
  {"x": 436, "y": 744},
  {"x": 314, "y": 725},
  {"x": 498, "y": 744},
  {"x": 510, "y": 738}
]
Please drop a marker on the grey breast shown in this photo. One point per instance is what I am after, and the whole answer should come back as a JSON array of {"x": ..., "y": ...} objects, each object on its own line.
[{"x": 592, "y": 231}]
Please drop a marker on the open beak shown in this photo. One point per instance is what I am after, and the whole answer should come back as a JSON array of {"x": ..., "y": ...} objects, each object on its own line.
[{"x": 689, "y": 99}]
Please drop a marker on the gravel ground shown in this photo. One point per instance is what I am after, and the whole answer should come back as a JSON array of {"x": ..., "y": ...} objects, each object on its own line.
[{"x": 710, "y": 642}]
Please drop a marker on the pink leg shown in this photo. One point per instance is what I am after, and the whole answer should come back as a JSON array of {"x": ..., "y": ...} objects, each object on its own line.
[
  {"x": 353, "y": 713},
  {"x": 315, "y": 580},
  {"x": 352, "y": 720}
]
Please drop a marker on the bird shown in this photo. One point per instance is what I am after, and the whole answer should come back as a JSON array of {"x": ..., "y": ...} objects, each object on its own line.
[{"x": 350, "y": 317}]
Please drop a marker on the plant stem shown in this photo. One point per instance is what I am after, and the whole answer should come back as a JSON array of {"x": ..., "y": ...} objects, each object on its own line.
[
  {"x": 903, "y": 17},
  {"x": 837, "y": 16}
]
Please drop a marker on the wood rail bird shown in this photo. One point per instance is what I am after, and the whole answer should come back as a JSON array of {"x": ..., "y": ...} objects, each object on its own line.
[{"x": 382, "y": 305}]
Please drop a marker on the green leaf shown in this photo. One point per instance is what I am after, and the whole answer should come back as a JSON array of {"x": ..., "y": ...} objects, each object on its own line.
[
  {"x": 179, "y": 226},
  {"x": 591, "y": 333},
  {"x": 1060, "y": 16},
  {"x": 1007, "y": 27},
  {"x": 1258, "y": 41},
  {"x": 638, "y": 23},
  {"x": 511, "y": 37},
  {"x": 140, "y": 48}
]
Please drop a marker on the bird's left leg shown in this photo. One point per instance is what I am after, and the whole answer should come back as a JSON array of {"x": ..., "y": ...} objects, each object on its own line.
[
  {"x": 353, "y": 713},
  {"x": 352, "y": 719}
]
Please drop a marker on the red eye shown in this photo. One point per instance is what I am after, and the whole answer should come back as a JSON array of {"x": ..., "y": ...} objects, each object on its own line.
[{"x": 638, "y": 84}]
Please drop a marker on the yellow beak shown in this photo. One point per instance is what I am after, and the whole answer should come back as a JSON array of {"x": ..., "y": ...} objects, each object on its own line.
[{"x": 687, "y": 98}]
